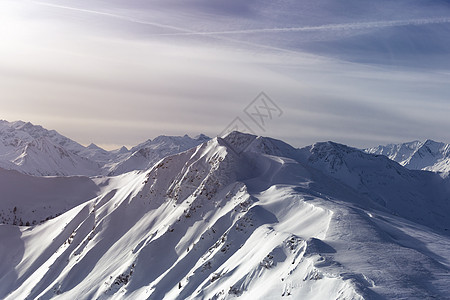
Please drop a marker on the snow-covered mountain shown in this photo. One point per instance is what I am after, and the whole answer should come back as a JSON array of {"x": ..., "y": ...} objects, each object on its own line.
[
  {"x": 34, "y": 150},
  {"x": 428, "y": 155},
  {"x": 145, "y": 155},
  {"x": 235, "y": 216}
]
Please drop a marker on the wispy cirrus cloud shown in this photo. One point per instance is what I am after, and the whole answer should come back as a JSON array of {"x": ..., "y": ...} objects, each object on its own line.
[
  {"x": 127, "y": 71},
  {"x": 325, "y": 27}
]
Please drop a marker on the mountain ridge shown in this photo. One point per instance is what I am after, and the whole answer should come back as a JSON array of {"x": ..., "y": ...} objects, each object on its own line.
[
  {"x": 17, "y": 137},
  {"x": 427, "y": 155},
  {"x": 29, "y": 148}
]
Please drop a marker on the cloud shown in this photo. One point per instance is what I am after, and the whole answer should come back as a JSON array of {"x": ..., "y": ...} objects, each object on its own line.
[{"x": 107, "y": 76}]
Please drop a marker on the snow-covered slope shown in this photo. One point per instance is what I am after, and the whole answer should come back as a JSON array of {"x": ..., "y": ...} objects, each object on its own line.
[
  {"x": 13, "y": 133},
  {"x": 428, "y": 155},
  {"x": 29, "y": 200},
  {"x": 242, "y": 216},
  {"x": 31, "y": 149},
  {"x": 144, "y": 155},
  {"x": 34, "y": 150}
]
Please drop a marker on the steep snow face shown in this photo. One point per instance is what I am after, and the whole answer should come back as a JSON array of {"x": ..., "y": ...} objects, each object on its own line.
[
  {"x": 428, "y": 155},
  {"x": 237, "y": 216}
]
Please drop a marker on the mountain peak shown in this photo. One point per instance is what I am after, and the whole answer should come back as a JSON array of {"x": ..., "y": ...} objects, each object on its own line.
[
  {"x": 96, "y": 148},
  {"x": 202, "y": 137},
  {"x": 329, "y": 150},
  {"x": 331, "y": 146},
  {"x": 238, "y": 141},
  {"x": 329, "y": 155},
  {"x": 123, "y": 149},
  {"x": 28, "y": 126},
  {"x": 93, "y": 146}
]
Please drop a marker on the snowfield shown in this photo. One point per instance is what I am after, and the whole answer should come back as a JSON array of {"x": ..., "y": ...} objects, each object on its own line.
[{"x": 239, "y": 216}]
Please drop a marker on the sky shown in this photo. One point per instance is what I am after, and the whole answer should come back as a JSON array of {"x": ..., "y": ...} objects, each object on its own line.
[{"x": 119, "y": 72}]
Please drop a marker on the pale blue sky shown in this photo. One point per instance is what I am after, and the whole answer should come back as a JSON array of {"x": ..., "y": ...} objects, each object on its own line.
[{"x": 120, "y": 72}]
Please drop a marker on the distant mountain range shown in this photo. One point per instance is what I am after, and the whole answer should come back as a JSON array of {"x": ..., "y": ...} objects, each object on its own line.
[
  {"x": 428, "y": 155},
  {"x": 34, "y": 150}
]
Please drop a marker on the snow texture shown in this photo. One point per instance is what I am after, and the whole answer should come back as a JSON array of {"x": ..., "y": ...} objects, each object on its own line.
[
  {"x": 428, "y": 155},
  {"x": 238, "y": 216},
  {"x": 34, "y": 150}
]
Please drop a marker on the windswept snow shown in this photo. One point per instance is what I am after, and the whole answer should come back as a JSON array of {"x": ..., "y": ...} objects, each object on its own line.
[{"x": 239, "y": 216}]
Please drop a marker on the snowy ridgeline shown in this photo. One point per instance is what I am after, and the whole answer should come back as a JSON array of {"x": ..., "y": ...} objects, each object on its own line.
[
  {"x": 34, "y": 150},
  {"x": 428, "y": 155},
  {"x": 240, "y": 216}
]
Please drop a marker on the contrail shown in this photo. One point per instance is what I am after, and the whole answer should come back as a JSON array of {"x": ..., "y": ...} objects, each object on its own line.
[
  {"x": 116, "y": 16},
  {"x": 328, "y": 27},
  {"x": 226, "y": 35},
  {"x": 181, "y": 31}
]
